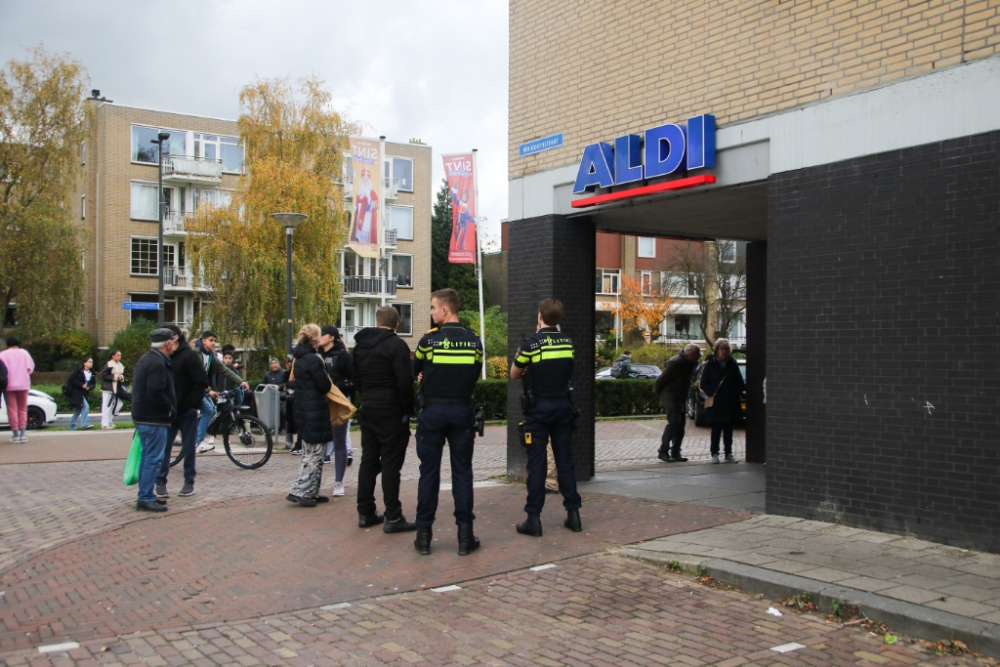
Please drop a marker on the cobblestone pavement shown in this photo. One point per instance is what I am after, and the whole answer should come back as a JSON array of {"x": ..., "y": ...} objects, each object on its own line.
[{"x": 594, "y": 610}]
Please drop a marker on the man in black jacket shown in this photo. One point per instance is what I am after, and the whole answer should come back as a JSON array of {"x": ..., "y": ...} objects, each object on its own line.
[
  {"x": 190, "y": 384},
  {"x": 673, "y": 387},
  {"x": 154, "y": 406},
  {"x": 383, "y": 376}
]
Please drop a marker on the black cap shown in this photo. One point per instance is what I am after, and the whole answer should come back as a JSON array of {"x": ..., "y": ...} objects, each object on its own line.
[
  {"x": 330, "y": 330},
  {"x": 161, "y": 335}
]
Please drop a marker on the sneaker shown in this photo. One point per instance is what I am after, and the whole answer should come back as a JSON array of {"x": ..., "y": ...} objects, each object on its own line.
[
  {"x": 350, "y": 459},
  {"x": 150, "y": 506},
  {"x": 160, "y": 491},
  {"x": 107, "y": 428},
  {"x": 326, "y": 459},
  {"x": 87, "y": 427},
  {"x": 338, "y": 489},
  {"x": 204, "y": 447},
  {"x": 295, "y": 452},
  {"x": 731, "y": 459},
  {"x": 715, "y": 458},
  {"x": 211, "y": 439},
  {"x": 187, "y": 490}
]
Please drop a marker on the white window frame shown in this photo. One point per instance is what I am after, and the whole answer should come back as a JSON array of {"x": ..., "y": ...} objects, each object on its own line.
[
  {"x": 638, "y": 247},
  {"x": 409, "y": 304},
  {"x": 413, "y": 212},
  {"x": 159, "y": 195},
  {"x": 642, "y": 283},
  {"x": 728, "y": 252},
  {"x": 83, "y": 207},
  {"x": 155, "y": 260},
  {"x": 402, "y": 254},
  {"x": 616, "y": 279},
  {"x": 158, "y": 130},
  {"x": 392, "y": 171},
  {"x": 83, "y": 152}
]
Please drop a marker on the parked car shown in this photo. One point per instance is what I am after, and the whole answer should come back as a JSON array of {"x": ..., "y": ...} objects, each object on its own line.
[
  {"x": 696, "y": 399},
  {"x": 41, "y": 410},
  {"x": 642, "y": 372}
]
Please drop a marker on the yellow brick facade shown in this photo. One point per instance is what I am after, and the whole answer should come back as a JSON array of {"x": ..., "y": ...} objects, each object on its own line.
[{"x": 594, "y": 69}]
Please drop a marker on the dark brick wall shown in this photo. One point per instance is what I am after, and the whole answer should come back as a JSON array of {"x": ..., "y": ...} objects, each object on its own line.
[
  {"x": 756, "y": 316},
  {"x": 883, "y": 295},
  {"x": 553, "y": 256}
]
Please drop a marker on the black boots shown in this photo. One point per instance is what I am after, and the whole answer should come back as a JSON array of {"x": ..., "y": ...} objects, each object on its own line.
[
  {"x": 467, "y": 542},
  {"x": 400, "y": 525},
  {"x": 532, "y": 526},
  {"x": 573, "y": 521},
  {"x": 369, "y": 520},
  {"x": 423, "y": 541}
]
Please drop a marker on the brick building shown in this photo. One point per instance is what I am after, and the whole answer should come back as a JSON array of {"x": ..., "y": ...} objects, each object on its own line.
[
  {"x": 855, "y": 147},
  {"x": 203, "y": 161}
]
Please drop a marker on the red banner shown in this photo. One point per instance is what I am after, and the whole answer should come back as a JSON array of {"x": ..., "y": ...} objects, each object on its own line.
[{"x": 458, "y": 169}]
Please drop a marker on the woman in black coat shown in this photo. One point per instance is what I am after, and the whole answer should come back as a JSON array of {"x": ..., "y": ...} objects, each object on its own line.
[
  {"x": 722, "y": 379},
  {"x": 312, "y": 417},
  {"x": 81, "y": 382}
]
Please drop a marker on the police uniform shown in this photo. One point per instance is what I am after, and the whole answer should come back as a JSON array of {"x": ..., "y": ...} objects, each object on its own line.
[
  {"x": 450, "y": 357},
  {"x": 548, "y": 413}
]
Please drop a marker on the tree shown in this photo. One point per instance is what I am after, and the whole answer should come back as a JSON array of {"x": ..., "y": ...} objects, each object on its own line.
[
  {"x": 293, "y": 141},
  {"x": 637, "y": 311},
  {"x": 459, "y": 277},
  {"x": 43, "y": 122},
  {"x": 496, "y": 328},
  {"x": 715, "y": 272}
]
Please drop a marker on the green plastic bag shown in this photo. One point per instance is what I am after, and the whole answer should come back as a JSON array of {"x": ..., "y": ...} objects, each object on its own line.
[{"x": 132, "y": 463}]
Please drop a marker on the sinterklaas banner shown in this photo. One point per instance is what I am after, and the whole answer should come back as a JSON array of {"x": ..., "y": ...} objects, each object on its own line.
[
  {"x": 459, "y": 171},
  {"x": 366, "y": 163}
]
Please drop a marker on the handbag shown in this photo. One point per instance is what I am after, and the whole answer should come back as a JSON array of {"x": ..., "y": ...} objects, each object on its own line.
[
  {"x": 133, "y": 461},
  {"x": 710, "y": 400}
]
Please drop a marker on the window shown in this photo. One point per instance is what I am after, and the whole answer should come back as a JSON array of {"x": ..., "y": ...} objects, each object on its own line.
[
  {"x": 83, "y": 152},
  {"x": 607, "y": 281},
  {"x": 402, "y": 270},
  {"x": 405, "y": 318},
  {"x": 402, "y": 171},
  {"x": 148, "y": 315},
  {"x": 143, "y": 201},
  {"x": 646, "y": 280},
  {"x": 727, "y": 252},
  {"x": 401, "y": 219},
  {"x": 143, "y": 257},
  {"x": 83, "y": 207},
  {"x": 143, "y": 150},
  {"x": 647, "y": 247},
  {"x": 680, "y": 285},
  {"x": 232, "y": 155}
]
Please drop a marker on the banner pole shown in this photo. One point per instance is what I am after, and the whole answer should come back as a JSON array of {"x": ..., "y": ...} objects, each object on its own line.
[{"x": 479, "y": 256}]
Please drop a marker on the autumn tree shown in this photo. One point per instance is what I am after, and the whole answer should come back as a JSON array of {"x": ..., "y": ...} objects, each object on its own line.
[
  {"x": 43, "y": 121},
  {"x": 293, "y": 140},
  {"x": 641, "y": 307},
  {"x": 716, "y": 274}
]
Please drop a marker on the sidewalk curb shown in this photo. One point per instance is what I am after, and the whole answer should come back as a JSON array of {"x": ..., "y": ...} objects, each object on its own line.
[{"x": 905, "y": 617}]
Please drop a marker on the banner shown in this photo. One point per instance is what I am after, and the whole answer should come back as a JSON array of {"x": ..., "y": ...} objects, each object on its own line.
[
  {"x": 458, "y": 170},
  {"x": 366, "y": 163}
]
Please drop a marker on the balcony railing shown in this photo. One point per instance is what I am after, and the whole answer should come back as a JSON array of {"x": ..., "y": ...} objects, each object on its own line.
[
  {"x": 389, "y": 237},
  {"x": 178, "y": 278},
  {"x": 348, "y": 334},
  {"x": 173, "y": 222},
  {"x": 194, "y": 169},
  {"x": 367, "y": 285}
]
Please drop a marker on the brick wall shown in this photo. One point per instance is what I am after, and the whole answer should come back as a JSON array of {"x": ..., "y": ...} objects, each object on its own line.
[
  {"x": 883, "y": 285},
  {"x": 594, "y": 71}
]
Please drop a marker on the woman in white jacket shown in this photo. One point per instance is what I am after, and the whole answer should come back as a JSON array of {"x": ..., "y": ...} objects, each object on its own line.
[{"x": 112, "y": 374}]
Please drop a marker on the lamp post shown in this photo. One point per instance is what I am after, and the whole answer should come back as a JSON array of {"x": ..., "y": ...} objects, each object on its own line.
[
  {"x": 290, "y": 221},
  {"x": 160, "y": 138}
]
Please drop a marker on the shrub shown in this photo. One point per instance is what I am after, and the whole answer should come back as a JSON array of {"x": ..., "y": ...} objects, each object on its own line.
[
  {"x": 491, "y": 395},
  {"x": 51, "y": 352},
  {"x": 656, "y": 355},
  {"x": 75, "y": 344},
  {"x": 133, "y": 341},
  {"x": 625, "y": 397},
  {"x": 496, "y": 368}
]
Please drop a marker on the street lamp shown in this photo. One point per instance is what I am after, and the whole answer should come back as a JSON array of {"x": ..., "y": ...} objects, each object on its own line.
[
  {"x": 160, "y": 138},
  {"x": 290, "y": 222}
]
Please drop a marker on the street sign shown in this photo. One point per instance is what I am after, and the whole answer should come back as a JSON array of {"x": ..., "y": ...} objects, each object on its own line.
[
  {"x": 140, "y": 305},
  {"x": 539, "y": 145}
]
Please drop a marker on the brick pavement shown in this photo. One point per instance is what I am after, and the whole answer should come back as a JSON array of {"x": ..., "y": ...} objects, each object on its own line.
[{"x": 594, "y": 610}]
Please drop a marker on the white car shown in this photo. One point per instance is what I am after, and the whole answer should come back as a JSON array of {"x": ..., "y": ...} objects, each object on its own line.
[{"x": 41, "y": 410}]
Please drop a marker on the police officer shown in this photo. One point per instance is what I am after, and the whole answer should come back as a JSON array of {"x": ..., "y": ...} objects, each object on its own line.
[
  {"x": 447, "y": 363},
  {"x": 544, "y": 364}
]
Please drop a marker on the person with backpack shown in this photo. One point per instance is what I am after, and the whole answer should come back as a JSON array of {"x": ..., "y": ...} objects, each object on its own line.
[
  {"x": 340, "y": 368},
  {"x": 622, "y": 368},
  {"x": 19, "y": 366},
  {"x": 80, "y": 384}
]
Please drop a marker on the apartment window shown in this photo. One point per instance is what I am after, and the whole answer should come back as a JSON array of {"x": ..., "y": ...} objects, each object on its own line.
[
  {"x": 402, "y": 270},
  {"x": 83, "y": 207},
  {"x": 402, "y": 171},
  {"x": 143, "y": 150},
  {"x": 148, "y": 315},
  {"x": 727, "y": 252},
  {"x": 143, "y": 257},
  {"x": 405, "y": 318},
  {"x": 143, "y": 204},
  {"x": 646, "y": 281},
  {"x": 647, "y": 247},
  {"x": 607, "y": 281},
  {"x": 401, "y": 219},
  {"x": 83, "y": 152}
]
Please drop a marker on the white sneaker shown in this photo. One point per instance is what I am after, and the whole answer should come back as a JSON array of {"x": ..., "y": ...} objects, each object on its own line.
[
  {"x": 338, "y": 488},
  {"x": 204, "y": 447},
  {"x": 211, "y": 439}
]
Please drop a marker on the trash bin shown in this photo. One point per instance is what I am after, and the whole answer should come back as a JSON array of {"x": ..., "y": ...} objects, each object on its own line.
[{"x": 268, "y": 405}]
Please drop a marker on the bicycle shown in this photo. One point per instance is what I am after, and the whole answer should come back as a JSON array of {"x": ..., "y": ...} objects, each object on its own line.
[{"x": 247, "y": 441}]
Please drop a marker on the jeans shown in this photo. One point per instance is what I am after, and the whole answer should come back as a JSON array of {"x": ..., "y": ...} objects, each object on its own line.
[
  {"x": 673, "y": 434},
  {"x": 83, "y": 414},
  {"x": 550, "y": 418},
  {"x": 186, "y": 423},
  {"x": 154, "y": 441},
  {"x": 726, "y": 431},
  {"x": 384, "y": 437},
  {"x": 439, "y": 422},
  {"x": 207, "y": 412}
]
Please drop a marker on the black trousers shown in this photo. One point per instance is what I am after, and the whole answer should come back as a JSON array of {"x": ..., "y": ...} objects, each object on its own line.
[
  {"x": 437, "y": 423},
  {"x": 550, "y": 419},
  {"x": 725, "y": 431},
  {"x": 384, "y": 437},
  {"x": 673, "y": 434}
]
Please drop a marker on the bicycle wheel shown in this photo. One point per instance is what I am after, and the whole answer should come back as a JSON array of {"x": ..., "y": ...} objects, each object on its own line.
[
  {"x": 248, "y": 442},
  {"x": 179, "y": 455}
]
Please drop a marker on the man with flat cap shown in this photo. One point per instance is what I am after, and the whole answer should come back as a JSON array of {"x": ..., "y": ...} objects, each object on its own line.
[{"x": 154, "y": 407}]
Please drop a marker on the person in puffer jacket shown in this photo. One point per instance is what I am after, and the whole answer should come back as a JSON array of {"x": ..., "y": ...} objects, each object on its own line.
[{"x": 312, "y": 417}]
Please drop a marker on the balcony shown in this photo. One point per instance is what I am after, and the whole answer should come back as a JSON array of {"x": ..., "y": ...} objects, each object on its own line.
[
  {"x": 348, "y": 335},
  {"x": 368, "y": 286},
  {"x": 388, "y": 237},
  {"x": 174, "y": 223},
  {"x": 177, "y": 278},
  {"x": 390, "y": 188},
  {"x": 182, "y": 169}
]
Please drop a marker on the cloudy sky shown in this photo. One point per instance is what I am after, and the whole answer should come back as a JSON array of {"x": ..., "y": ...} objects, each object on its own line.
[{"x": 434, "y": 70}]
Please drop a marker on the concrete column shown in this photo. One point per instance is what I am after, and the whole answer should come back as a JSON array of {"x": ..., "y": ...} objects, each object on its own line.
[
  {"x": 553, "y": 256},
  {"x": 756, "y": 320}
]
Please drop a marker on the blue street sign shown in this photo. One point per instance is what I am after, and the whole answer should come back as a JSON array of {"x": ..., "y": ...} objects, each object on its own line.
[
  {"x": 140, "y": 305},
  {"x": 543, "y": 144}
]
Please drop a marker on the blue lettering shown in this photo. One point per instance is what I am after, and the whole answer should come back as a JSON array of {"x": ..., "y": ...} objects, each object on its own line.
[
  {"x": 664, "y": 150},
  {"x": 628, "y": 159},
  {"x": 597, "y": 168},
  {"x": 701, "y": 142}
]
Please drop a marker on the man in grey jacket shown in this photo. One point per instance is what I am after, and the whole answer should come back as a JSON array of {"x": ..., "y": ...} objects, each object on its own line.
[{"x": 673, "y": 387}]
